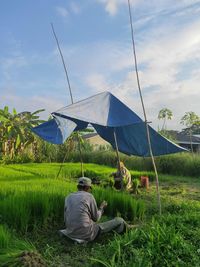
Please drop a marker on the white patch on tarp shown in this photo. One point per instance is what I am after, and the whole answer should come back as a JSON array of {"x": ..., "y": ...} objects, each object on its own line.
[{"x": 66, "y": 126}]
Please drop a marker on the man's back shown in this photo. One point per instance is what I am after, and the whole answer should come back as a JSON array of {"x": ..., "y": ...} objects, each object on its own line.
[{"x": 80, "y": 214}]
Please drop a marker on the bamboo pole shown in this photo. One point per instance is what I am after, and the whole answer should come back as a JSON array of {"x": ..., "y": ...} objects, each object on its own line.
[
  {"x": 144, "y": 112},
  {"x": 63, "y": 61},
  {"x": 72, "y": 100}
]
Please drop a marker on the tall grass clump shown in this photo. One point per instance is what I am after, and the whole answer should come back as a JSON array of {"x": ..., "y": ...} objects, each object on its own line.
[
  {"x": 5, "y": 237},
  {"x": 34, "y": 205},
  {"x": 69, "y": 171},
  {"x": 109, "y": 158},
  {"x": 153, "y": 245},
  {"x": 15, "y": 252},
  {"x": 184, "y": 164},
  {"x": 26, "y": 209},
  {"x": 30, "y": 200},
  {"x": 120, "y": 204}
]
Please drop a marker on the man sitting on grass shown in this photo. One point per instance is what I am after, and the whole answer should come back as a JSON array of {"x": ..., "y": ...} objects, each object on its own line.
[{"x": 81, "y": 215}]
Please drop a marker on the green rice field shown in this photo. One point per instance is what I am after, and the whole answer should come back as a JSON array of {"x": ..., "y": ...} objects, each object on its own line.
[{"x": 31, "y": 213}]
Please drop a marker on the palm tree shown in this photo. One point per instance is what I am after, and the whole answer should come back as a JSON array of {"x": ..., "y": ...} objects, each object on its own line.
[
  {"x": 165, "y": 114},
  {"x": 189, "y": 120}
]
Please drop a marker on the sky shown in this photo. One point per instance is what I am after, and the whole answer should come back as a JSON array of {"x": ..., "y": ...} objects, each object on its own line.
[{"x": 95, "y": 39}]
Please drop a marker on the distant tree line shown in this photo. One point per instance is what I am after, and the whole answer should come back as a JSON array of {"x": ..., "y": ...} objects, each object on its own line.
[
  {"x": 17, "y": 139},
  {"x": 191, "y": 120}
]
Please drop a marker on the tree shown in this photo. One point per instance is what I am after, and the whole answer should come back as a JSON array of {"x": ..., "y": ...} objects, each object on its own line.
[
  {"x": 189, "y": 120},
  {"x": 165, "y": 114},
  {"x": 15, "y": 129},
  {"x": 195, "y": 129}
]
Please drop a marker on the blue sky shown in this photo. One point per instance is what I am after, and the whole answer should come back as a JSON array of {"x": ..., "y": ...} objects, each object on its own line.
[{"x": 96, "y": 42}]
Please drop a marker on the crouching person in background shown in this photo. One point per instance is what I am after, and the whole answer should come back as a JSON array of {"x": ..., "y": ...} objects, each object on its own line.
[
  {"x": 81, "y": 215},
  {"x": 122, "y": 178}
]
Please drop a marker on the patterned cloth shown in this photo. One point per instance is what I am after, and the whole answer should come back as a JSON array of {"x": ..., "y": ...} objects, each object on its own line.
[{"x": 123, "y": 175}]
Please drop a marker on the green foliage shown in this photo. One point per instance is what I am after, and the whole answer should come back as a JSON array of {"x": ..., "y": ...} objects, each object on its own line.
[
  {"x": 136, "y": 184},
  {"x": 5, "y": 237},
  {"x": 184, "y": 164},
  {"x": 194, "y": 129},
  {"x": 181, "y": 164},
  {"x": 34, "y": 204},
  {"x": 190, "y": 118},
  {"x": 21, "y": 158},
  {"x": 168, "y": 135},
  {"x": 12, "y": 249},
  {"x": 156, "y": 244},
  {"x": 165, "y": 114},
  {"x": 120, "y": 203},
  {"x": 31, "y": 202},
  {"x": 36, "y": 199},
  {"x": 87, "y": 130},
  {"x": 15, "y": 130},
  {"x": 108, "y": 158}
]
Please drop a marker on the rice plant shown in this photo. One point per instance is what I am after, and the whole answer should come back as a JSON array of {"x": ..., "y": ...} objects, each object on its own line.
[
  {"x": 30, "y": 200},
  {"x": 153, "y": 245},
  {"x": 121, "y": 204},
  {"x": 31, "y": 205},
  {"x": 34, "y": 204},
  {"x": 15, "y": 252}
]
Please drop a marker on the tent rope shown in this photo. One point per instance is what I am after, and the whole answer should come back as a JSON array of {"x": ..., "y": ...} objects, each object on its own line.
[{"x": 143, "y": 107}]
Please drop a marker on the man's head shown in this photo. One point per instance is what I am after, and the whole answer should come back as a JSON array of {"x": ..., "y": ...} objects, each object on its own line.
[{"x": 84, "y": 183}]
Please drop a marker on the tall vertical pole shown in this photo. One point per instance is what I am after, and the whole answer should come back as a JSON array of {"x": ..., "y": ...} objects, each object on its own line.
[
  {"x": 144, "y": 112},
  {"x": 72, "y": 101},
  {"x": 63, "y": 61}
]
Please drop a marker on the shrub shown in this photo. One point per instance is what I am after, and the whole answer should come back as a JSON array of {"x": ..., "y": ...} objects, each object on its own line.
[
  {"x": 120, "y": 203},
  {"x": 151, "y": 246},
  {"x": 21, "y": 158},
  {"x": 16, "y": 252}
]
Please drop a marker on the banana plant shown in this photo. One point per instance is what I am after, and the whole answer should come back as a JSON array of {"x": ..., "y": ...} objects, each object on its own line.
[{"x": 15, "y": 130}]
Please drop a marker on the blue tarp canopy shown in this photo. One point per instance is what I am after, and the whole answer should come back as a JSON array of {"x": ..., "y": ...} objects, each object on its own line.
[{"x": 106, "y": 114}]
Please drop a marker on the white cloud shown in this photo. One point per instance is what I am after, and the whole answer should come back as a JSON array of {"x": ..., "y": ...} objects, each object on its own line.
[
  {"x": 72, "y": 8},
  {"x": 62, "y": 11},
  {"x": 27, "y": 103},
  {"x": 7, "y": 64},
  {"x": 150, "y": 8},
  {"x": 75, "y": 8},
  {"x": 97, "y": 82},
  {"x": 162, "y": 56},
  {"x": 112, "y": 6}
]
